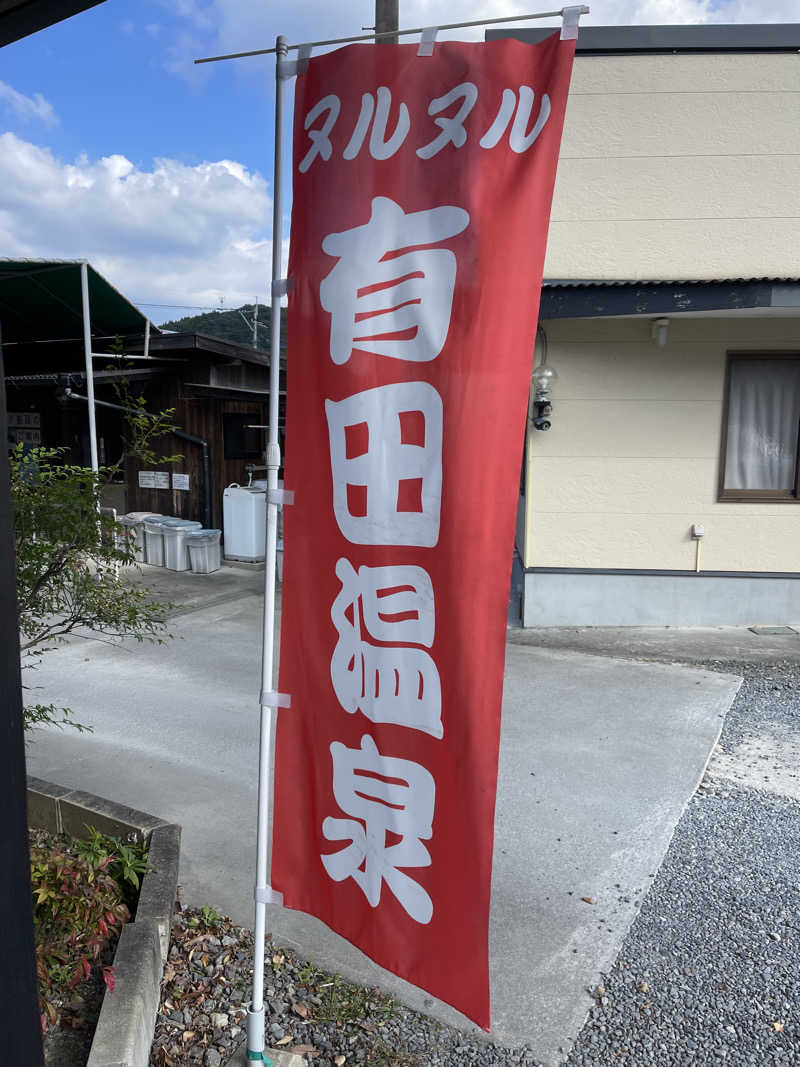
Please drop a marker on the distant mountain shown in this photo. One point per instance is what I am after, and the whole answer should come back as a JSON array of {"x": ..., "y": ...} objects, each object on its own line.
[{"x": 230, "y": 326}]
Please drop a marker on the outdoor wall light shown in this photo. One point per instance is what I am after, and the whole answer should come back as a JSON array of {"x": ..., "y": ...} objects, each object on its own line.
[
  {"x": 542, "y": 407},
  {"x": 659, "y": 331}
]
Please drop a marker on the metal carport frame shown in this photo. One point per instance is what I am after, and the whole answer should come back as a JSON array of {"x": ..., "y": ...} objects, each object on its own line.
[{"x": 46, "y": 300}]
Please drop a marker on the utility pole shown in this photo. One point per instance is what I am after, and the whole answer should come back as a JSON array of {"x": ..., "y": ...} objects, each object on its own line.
[
  {"x": 255, "y": 324},
  {"x": 386, "y": 16}
]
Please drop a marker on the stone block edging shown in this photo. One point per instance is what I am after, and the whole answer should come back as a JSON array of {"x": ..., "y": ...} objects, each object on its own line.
[{"x": 127, "y": 1020}]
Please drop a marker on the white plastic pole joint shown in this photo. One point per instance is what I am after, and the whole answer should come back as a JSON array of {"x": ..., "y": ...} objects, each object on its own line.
[{"x": 571, "y": 17}]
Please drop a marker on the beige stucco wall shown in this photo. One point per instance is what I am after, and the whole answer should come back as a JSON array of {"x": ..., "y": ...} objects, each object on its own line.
[
  {"x": 632, "y": 458},
  {"x": 678, "y": 167}
]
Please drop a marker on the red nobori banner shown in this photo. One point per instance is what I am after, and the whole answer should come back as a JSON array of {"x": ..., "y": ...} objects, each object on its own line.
[{"x": 422, "y": 190}]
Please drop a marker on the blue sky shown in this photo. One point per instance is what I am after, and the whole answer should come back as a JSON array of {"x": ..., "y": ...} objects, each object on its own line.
[
  {"x": 115, "y": 147},
  {"x": 121, "y": 80}
]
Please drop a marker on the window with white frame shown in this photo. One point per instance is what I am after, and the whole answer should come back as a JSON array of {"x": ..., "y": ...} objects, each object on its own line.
[{"x": 761, "y": 421}]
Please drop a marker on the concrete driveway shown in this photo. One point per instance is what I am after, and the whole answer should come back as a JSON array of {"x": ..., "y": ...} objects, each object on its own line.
[{"x": 599, "y": 756}]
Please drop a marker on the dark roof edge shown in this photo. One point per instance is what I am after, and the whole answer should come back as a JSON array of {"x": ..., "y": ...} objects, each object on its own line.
[
  {"x": 638, "y": 283},
  {"x": 631, "y": 40},
  {"x": 20, "y": 18},
  {"x": 182, "y": 342},
  {"x": 578, "y": 300}
]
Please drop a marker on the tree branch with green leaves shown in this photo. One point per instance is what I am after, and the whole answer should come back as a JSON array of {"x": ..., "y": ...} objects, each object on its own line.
[{"x": 69, "y": 557}]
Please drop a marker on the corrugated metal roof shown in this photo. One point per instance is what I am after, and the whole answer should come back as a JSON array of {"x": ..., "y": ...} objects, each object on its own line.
[
  {"x": 40, "y": 299},
  {"x": 585, "y": 283},
  {"x": 592, "y": 297}
]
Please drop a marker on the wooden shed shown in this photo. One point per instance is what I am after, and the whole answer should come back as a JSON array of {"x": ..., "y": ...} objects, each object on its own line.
[
  {"x": 217, "y": 391},
  {"x": 220, "y": 395}
]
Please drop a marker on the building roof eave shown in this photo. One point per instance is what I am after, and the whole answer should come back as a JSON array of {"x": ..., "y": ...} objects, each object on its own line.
[
  {"x": 215, "y": 346},
  {"x": 586, "y": 298},
  {"x": 20, "y": 18},
  {"x": 684, "y": 39}
]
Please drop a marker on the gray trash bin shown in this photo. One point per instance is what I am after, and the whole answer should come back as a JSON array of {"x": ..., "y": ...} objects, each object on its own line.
[
  {"x": 134, "y": 528},
  {"x": 174, "y": 533},
  {"x": 154, "y": 540},
  {"x": 204, "y": 550}
]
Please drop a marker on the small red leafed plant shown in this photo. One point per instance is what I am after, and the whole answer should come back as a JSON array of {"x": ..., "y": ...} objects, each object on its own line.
[{"x": 78, "y": 915}]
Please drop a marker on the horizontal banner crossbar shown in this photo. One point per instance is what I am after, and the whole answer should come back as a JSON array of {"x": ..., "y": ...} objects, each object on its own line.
[{"x": 583, "y": 10}]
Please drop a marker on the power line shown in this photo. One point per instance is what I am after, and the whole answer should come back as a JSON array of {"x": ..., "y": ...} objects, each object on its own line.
[{"x": 182, "y": 307}]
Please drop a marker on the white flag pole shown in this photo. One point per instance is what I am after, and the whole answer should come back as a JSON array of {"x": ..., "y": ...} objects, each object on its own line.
[
  {"x": 269, "y": 700},
  {"x": 87, "y": 355}
]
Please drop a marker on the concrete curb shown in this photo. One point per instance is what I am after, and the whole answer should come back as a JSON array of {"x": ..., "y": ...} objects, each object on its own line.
[{"x": 127, "y": 1020}]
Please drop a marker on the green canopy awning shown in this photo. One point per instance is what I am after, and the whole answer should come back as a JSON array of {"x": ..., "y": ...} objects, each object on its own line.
[{"x": 40, "y": 300}]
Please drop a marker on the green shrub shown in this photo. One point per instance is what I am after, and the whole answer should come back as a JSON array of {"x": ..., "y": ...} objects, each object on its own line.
[
  {"x": 78, "y": 912},
  {"x": 125, "y": 863}
]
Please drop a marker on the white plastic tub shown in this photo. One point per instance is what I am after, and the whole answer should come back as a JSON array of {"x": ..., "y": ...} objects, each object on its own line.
[
  {"x": 173, "y": 532},
  {"x": 204, "y": 550}
]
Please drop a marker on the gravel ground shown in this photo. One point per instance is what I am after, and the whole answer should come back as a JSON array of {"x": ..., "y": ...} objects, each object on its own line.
[
  {"x": 332, "y": 1022},
  {"x": 710, "y": 970},
  {"x": 769, "y": 698},
  {"x": 709, "y": 973}
]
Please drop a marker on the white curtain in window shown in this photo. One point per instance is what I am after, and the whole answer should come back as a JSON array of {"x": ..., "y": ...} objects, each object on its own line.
[{"x": 763, "y": 417}]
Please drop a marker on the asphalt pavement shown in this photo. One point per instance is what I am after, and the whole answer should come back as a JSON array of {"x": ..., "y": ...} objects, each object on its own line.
[{"x": 599, "y": 756}]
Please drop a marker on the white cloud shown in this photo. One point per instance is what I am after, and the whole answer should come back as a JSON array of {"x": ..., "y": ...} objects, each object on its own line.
[
  {"x": 28, "y": 108},
  {"x": 173, "y": 234}
]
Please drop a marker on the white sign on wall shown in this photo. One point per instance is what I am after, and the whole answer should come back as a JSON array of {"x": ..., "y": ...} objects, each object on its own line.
[
  {"x": 180, "y": 481},
  {"x": 24, "y": 427},
  {"x": 154, "y": 479}
]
